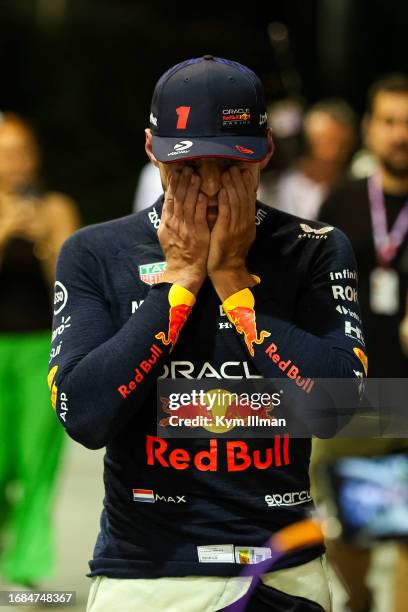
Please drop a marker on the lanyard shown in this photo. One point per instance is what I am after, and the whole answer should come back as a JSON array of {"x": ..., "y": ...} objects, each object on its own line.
[{"x": 386, "y": 243}]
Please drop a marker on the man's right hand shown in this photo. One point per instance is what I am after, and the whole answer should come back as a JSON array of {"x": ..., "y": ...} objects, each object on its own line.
[{"x": 183, "y": 232}]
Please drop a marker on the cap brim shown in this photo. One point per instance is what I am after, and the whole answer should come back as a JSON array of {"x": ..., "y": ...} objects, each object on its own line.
[{"x": 245, "y": 148}]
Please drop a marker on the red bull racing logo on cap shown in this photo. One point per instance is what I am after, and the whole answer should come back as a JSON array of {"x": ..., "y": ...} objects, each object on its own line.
[
  {"x": 236, "y": 116},
  {"x": 181, "y": 302},
  {"x": 239, "y": 309}
]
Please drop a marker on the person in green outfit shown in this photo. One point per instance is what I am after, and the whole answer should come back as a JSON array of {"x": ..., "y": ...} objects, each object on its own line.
[{"x": 33, "y": 225}]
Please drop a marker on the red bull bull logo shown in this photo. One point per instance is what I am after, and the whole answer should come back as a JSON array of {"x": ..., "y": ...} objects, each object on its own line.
[
  {"x": 177, "y": 317},
  {"x": 181, "y": 302},
  {"x": 245, "y": 323},
  {"x": 239, "y": 309}
]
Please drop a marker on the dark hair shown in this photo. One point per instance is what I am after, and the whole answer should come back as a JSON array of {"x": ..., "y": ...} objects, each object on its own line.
[
  {"x": 392, "y": 83},
  {"x": 335, "y": 108}
]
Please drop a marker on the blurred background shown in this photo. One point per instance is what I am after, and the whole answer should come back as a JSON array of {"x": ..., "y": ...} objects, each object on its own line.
[{"x": 82, "y": 73}]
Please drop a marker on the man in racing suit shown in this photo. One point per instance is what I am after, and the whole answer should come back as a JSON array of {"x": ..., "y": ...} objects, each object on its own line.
[{"x": 206, "y": 283}]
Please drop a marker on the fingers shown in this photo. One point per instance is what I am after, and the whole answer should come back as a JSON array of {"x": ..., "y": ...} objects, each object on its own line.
[
  {"x": 237, "y": 177},
  {"x": 181, "y": 192},
  {"x": 200, "y": 218},
  {"x": 169, "y": 198},
  {"x": 241, "y": 191},
  {"x": 190, "y": 201},
  {"x": 250, "y": 188},
  {"x": 242, "y": 194},
  {"x": 181, "y": 195},
  {"x": 233, "y": 198},
  {"x": 183, "y": 206},
  {"x": 224, "y": 208},
  {"x": 249, "y": 183}
]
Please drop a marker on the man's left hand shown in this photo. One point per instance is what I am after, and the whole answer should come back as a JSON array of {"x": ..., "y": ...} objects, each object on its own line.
[{"x": 233, "y": 233}]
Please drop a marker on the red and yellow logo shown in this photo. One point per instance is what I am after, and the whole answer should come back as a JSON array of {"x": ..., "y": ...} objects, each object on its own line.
[
  {"x": 244, "y": 150},
  {"x": 362, "y": 357},
  {"x": 239, "y": 309},
  {"x": 181, "y": 302},
  {"x": 52, "y": 386}
]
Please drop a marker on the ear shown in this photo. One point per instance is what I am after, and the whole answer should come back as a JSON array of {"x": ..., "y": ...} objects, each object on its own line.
[
  {"x": 271, "y": 148},
  {"x": 149, "y": 149}
]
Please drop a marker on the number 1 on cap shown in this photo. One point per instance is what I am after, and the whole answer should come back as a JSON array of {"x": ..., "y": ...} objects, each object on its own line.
[{"x": 182, "y": 113}]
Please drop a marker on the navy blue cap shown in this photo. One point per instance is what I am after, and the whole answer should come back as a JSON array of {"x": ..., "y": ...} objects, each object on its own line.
[{"x": 209, "y": 107}]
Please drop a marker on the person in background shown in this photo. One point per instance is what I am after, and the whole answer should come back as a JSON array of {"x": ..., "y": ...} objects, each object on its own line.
[
  {"x": 285, "y": 118},
  {"x": 33, "y": 225},
  {"x": 330, "y": 137},
  {"x": 373, "y": 212},
  {"x": 148, "y": 189}
]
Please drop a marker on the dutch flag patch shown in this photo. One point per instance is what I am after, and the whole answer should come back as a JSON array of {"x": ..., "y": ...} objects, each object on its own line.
[{"x": 143, "y": 495}]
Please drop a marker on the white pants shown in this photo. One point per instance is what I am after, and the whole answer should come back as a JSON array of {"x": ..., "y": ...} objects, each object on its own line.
[{"x": 203, "y": 593}]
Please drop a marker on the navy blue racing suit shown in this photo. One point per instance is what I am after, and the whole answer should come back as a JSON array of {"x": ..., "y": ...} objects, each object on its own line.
[{"x": 118, "y": 328}]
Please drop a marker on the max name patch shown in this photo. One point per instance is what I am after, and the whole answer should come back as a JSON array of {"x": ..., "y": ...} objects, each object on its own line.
[{"x": 149, "y": 496}]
